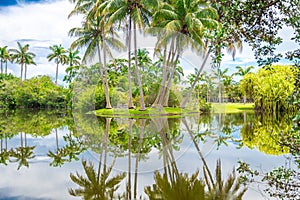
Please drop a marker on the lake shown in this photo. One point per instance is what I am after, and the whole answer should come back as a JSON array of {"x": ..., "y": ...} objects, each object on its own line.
[{"x": 48, "y": 154}]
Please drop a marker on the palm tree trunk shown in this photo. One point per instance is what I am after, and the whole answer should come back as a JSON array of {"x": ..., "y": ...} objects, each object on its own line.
[
  {"x": 1, "y": 66},
  {"x": 163, "y": 82},
  {"x": 25, "y": 73},
  {"x": 21, "y": 71},
  {"x": 129, "y": 161},
  {"x": 56, "y": 75},
  {"x": 198, "y": 150},
  {"x": 6, "y": 67},
  {"x": 142, "y": 101},
  {"x": 183, "y": 105},
  {"x": 170, "y": 80},
  {"x": 142, "y": 129},
  {"x": 130, "y": 103},
  {"x": 106, "y": 89}
]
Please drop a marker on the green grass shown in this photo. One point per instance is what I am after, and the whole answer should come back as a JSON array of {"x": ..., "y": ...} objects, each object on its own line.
[
  {"x": 148, "y": 113},
  {"x": 232, "y": 107},
  {"x": 172, "y": 112}
]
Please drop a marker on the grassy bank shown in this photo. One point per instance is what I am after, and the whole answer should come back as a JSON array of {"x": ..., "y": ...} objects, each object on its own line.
[
  {"x": 172, "y": 112},
  {"x": 232, "y": 107}
]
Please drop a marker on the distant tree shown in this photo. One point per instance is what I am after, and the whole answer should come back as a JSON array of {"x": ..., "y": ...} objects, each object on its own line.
[
  {"x": 22, "y": 55},
  {"x": 59, "y": 55}
]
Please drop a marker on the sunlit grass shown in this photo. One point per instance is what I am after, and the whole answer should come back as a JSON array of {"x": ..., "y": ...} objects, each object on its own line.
[
  {"x": 149, "y": 112},
  {"x": 232, "y": 107}
]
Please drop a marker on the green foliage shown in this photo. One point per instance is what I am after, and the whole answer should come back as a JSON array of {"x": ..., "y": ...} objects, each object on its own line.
[
  {"x": 270, "y": 87},
  {"x": 37, "y": 92}
]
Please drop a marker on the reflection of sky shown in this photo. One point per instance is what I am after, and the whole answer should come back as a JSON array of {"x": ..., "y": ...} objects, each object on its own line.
[{"x": 40, "y": 181}]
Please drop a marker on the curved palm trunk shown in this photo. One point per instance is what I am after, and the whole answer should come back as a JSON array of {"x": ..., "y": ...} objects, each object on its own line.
[
  {"x": 104, "y": 76},
  {"x": 163, "y": 82},
  {"x": 142, "y": 101},
  {"x": 130, "y": 103},
  {"x": 198, "y": 150},
  {"x": 183, "y": 105},
  {"x": 169, "y": 85}
]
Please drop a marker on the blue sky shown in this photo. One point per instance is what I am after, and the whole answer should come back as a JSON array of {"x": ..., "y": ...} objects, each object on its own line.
[{"x": 42, "y": 23}]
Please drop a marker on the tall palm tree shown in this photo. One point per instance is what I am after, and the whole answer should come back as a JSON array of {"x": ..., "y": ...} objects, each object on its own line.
[
  {"x": 4, "y": 57},
  {"x": 136, "y": 13},
  {"x": 74, "y": 62},
  {"x": 19, "y": 55},
  {"x": 93, "y": 36},
  {"x": 28, "y": 61},
  {"x": 59, "y": 56},
  {"x": 184, "y": 23},
  {"x": 242, "y": 72},
  {"x": 220, "y": 75}
]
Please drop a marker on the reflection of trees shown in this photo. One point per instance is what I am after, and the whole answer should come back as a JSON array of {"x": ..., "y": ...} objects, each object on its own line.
[
  {"x": 172, "y": 184},
  {"x": 97, "y": 185},
  {"x": 23, "y": 153},
  {"x": 71, "y": 151},
  {"x": 265, "y": 133}
]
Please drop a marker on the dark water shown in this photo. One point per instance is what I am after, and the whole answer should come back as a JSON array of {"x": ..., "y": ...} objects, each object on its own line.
[{"x": 40, "y": 150}]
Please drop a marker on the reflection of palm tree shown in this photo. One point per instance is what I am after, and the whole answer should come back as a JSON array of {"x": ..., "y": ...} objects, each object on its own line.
[
  {"x": 58, "y": 156},
  {"x": 218, "y": 189},
  {"x": 4, "y": 154},
  {"x": 22, "y": 153},
  {"x": 74, "y": 147},
  {"x": 97, "y": 185}
]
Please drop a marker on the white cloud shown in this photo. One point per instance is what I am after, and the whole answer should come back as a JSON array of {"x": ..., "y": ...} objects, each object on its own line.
[{"x": 40, "y": 25}]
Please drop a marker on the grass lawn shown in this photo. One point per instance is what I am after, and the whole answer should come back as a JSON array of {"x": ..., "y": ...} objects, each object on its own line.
[
  {"x": 172, "y": 112},
  {"x": 148, "y": 113},
  {"x": 232, "y": 107}
]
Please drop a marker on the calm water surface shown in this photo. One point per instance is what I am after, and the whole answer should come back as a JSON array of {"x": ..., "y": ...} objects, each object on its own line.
[{"x": 40, "y": 150}]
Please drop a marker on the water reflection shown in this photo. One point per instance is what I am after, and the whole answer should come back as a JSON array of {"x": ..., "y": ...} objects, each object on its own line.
[
  {"x": 120, "y": 158},
  {"x": 170, "y": 183}
]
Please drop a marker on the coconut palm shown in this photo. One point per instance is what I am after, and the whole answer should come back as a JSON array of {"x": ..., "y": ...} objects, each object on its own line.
[
  {"x": 28, "y": 61},
  {"x": 59, "y": 56},
  {"x": 242, "y": 72},
  {"x": 184, "y": 23},
  {"x": 136, "y": 13},
  {"x": 93, "y": 36},
  {"x": 19, "y": 55},
  {"x": 220, "y": 75},
  {"x": 4, "y": 57}
]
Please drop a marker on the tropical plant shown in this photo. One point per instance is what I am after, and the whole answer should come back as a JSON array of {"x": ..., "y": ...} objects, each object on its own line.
[
  {"x": 59, "y": 56},
  {"x": 22, "y": 56}
]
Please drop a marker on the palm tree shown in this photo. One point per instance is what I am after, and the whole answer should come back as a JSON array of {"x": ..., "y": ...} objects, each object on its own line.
[
  {"x": 220, "y": 76},
  {"x": 59, "y": 56},
  {"x": 28, "y": 61},
  {"x": 138, "y": 14},
  {"x": 242, "y": 72},
  {"x": 184, "y": 23},
  {"x": 19, "y": 55},
  {"x": 95, "y": 37},
  {"x": 4, "y": 57},
  {"x": 74, "y": 62}
]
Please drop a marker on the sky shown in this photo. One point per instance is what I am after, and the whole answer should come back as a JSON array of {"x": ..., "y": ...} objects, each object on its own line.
[{"x": 43, "y": 23}]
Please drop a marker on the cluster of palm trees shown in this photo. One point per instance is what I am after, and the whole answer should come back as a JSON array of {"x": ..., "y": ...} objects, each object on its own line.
[
  {"x": 24, "y": 57},
  {"x": 178, "y": 25},
  {"x": 21, "y": 56}
]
